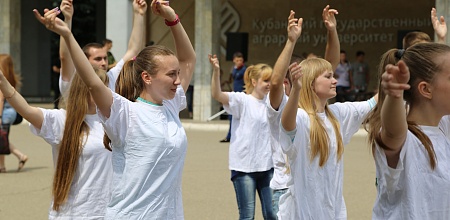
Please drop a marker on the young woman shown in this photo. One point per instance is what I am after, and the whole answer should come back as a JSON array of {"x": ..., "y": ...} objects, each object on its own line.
[
  {"x": 411, "y": 143},
  {"x": 250, "y": 156},
  {"x": 147, "y": 139},
  {"x": 7, "y": 113},
  {"x": 83, "y": 170},
  {"x": 314, "y": 143},
  {"x": 344, "y": 77},
  {"x": 280, "y": 86}
]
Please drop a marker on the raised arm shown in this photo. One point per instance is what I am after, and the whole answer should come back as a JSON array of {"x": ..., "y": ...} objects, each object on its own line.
[
  {"x": 216, "y": 90},
  {"x": 281, "y": 66},
  {"x": 394, "y": 126},
  {"x": 136, "y": 42},
  {"x": 100, "y": 93},
  {"x": 290, "y": 110},
  {"x": 67, "y": 67},
  {"x": 439, "y": 26},
  {"x": 185, "y": 51},
  {"x": 333, "y": 48},
  {"x": 32, "y": 114}
]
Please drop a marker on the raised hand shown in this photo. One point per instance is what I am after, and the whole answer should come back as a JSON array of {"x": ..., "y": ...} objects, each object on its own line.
[
  {"x": 395, "y": 79},
  {"x": 140, "y": 6},
  {"x": 439, "y": 25},
  {"x": 296, "y": 75},
  {"x": 52, "y": 22},
  {"x": 328, "y": 18},
  {"x": 294, "y": 27},
  {"x": 214, "y": 61},
  {"x": 162, "y": 8},
  {"x": 67, "y": 9}
]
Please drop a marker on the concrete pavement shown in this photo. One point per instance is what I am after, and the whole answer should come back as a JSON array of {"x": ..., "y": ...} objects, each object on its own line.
[{"x": 207, "y": 190}]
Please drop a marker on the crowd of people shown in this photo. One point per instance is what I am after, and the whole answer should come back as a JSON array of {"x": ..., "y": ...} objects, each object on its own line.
[{"x": 119, "y": 147}]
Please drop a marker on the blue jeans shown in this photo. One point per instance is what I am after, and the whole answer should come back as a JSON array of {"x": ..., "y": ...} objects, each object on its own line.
[
  {"x": 276, "y": 199},
  {"x": 246, "y": 185}
]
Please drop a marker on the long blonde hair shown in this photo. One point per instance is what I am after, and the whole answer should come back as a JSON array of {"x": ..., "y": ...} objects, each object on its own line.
[
  {"x": 309, "y": 101},
  {"x": 254, "y": 72},
  {"x": 75, "y": 131},
  {"x": 7, "y": 67}
]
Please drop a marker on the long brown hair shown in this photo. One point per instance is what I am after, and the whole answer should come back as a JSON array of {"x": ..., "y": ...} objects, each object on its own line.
[
  {"x": 420, "y": 59},
  {"x": 75, "y": 131},
  {"x": 372, "y": 123},
  {"x": 129, "y": 84},
  {"x": 309, "y": 101},
  {"x": 7, "y": 67}
]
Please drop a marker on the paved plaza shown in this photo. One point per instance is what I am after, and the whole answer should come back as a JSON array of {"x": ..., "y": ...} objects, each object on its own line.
[{"x": 207, "y": 190}]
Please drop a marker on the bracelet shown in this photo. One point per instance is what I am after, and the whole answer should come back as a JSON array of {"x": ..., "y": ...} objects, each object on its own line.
[
  {"x": 11, "y": 95},
  {"x": 172, "y": 23}
]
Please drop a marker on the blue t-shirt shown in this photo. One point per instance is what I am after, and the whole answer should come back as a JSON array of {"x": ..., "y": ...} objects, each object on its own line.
[{"x": 238, "y": 78}]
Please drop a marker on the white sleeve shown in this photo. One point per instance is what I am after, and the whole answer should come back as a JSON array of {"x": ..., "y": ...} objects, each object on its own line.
[
  {"x": 388, "y": 176},
  {"x": 178, "y": 103},
  {"x": 298, "y": 136},
  {"x": 64, "y": 87},
  {"x": 444, "y": 125},
  {"x": 52, "y": 128},
  {"x": 272, "y": 114},
  {"x": 350, "y": 116},
  {"x": 113, "y": 74},
  {"x": 235, "y": 103},
  {"x": 116, "y": 126}
]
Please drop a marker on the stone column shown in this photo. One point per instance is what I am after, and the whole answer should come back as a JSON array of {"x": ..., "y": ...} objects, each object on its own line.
[
  {"x": 207, "y": 29},
  {"x": 10, "y": 30},
  {"x": 443, "y": 9},
  {"x": 119, "y": 22}
]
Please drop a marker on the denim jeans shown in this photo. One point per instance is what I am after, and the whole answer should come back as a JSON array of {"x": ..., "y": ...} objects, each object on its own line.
[
  {"x": 276, "y": 199},
  {"x": 246, "y": 185}
]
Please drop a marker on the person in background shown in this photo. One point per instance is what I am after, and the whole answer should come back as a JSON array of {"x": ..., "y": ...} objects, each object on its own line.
[
  {"x": 7, "y": 112},
  {"x": 107, "y": 45},
  {"x": 360, "y": 75},
  {"x": 237, "y": 76},
  {"x": 343, "y": 75},
  {"x": 250, "y": 155}
]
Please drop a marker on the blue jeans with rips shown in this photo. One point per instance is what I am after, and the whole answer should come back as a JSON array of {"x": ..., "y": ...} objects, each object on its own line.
[{"x": 246, "y": 185}]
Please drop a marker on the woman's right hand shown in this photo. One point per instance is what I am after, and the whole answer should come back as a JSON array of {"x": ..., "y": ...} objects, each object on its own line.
[
  {"x": 67, "y": 9},
  {"x": 52, "y": 22},
  {"x": 214, "y": 61},
  {"x": 296, "y": 75},
  {"x": 395, "y": 79},
  {"x": 162, "y": 8}
]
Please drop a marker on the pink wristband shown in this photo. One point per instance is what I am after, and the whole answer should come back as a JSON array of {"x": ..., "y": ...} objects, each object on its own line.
[{"x": 172, "y": 23}]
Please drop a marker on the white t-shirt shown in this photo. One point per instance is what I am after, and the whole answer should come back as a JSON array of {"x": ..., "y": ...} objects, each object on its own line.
[
  {"x": 281, "y": 175},
  {"x": 112, "y": 74},
  {"x": 90, "y": 190},
  {"x": 149, "y": 147},
  {"x": 316, "y": 192},
  {"x": 250, "y": 147},
  {"x": 413, "y": 190}
]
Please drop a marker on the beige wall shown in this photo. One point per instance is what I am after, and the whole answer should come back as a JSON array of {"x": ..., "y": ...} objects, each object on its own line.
[{"x": 369, "y": 25}]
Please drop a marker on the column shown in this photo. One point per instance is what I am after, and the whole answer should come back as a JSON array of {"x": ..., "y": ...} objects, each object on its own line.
[
  {"x": 443, "y": 9},
  {"x": 10, "y": 30},
  {"x": 119, "y": 20},
  {"x": 207, "y": 29}
]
